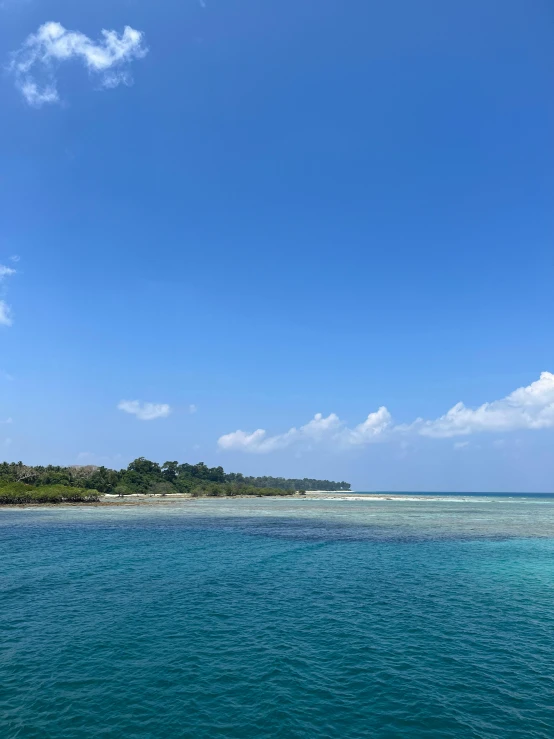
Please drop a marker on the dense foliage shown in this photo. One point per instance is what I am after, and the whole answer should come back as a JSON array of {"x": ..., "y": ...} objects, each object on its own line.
[
  {"x": 284, "y": 484},
  {"x": 144, "y": 476},
  {"x": 218, "y": 490},
  {"x": 18, "y": 492}
]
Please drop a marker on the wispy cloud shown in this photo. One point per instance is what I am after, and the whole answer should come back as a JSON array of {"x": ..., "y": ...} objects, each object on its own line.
[
  {"x": 5, "y": 314},
  {"x": 6, "y": 271},
  {"x": 192, "y": 408},
  {"x": 5, "y": 4},
  {"x": 530, "y": 407},
  {"x": 5, "y": 310},
  {"x": 145, "y": 411},
  {"x": 34, "y": 65}
]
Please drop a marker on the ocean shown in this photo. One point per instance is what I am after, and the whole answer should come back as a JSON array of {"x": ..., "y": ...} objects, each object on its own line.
[{"x": 410, "y": 617}]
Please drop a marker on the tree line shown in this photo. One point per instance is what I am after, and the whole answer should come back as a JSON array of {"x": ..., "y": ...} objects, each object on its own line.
[
  {"x": 144, "y": 476},
  {"x": 18, "y": 492}
]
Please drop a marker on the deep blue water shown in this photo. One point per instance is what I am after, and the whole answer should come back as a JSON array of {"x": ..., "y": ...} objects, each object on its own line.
[
  {"x": 538, "y": 496},
  {"x": 279, "y": 618}
]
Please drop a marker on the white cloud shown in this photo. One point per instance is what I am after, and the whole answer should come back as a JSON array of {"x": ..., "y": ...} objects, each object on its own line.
[
  {"x": 145, "y": 411},
  {"x": 320, "y": 425},
  {"x": 241, "y": 440},
  {"x": 6, "y": 271},
  {"x": 530, "y": 407},
  {"x": 192, "y": 408},
  {"x": 259, "y": 442},
  {"x": 461, "y": 444},
  {"x": 374, "y": 427},
  {"x": 5, "y": 314},
  {"x": 319, "y": 429},
  {"x": 34, "y": 64},
  {"x": 5, "y": 310}
]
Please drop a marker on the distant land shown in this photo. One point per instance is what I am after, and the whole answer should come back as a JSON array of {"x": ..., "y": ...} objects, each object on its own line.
[{"x": 20, "y": 483}]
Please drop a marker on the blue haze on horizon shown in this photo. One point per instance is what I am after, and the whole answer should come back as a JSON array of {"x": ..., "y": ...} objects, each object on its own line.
[{"x": 291, "y": 208}]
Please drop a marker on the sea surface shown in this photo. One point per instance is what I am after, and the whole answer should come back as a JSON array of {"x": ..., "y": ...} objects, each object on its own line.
[{"x": 411, "y": 617}]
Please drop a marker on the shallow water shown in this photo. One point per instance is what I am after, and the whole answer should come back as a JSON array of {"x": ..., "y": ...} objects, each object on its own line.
[{"x": 279, "y": 618}]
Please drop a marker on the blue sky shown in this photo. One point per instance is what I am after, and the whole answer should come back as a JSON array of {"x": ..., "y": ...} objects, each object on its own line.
[{"x": 271, "y": 210}]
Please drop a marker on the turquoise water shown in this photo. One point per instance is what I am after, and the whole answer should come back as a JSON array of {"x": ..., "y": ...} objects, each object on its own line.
[{"x": 279, "y": 618}]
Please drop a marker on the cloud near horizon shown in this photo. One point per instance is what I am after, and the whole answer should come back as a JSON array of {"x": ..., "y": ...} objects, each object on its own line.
[
  {"x": 34, "y": 65},
  {"x": 144, "y": 411},
  {"x": 530, "y": 407}
]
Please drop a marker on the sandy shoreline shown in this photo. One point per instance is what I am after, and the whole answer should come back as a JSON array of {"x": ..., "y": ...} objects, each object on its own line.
[{"x": 152, "y": 500}]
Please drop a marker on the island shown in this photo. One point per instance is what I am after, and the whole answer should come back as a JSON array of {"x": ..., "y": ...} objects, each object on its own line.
[{"x": 25, "y": 484}]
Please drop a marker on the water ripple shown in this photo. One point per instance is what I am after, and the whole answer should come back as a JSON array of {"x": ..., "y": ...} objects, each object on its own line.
[{"x": 278, "y": 619}]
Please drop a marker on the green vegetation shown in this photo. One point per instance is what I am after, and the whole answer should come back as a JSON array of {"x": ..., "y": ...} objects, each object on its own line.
[
  {"x": 18, "y": 492},
  {"x": 146, "y": 477},
  {"x": 284, "y": 484},
  {"x": 218, "y": 490}
]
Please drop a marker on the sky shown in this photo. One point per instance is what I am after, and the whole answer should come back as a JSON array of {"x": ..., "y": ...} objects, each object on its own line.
[{"x": 308, "y": 238}]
